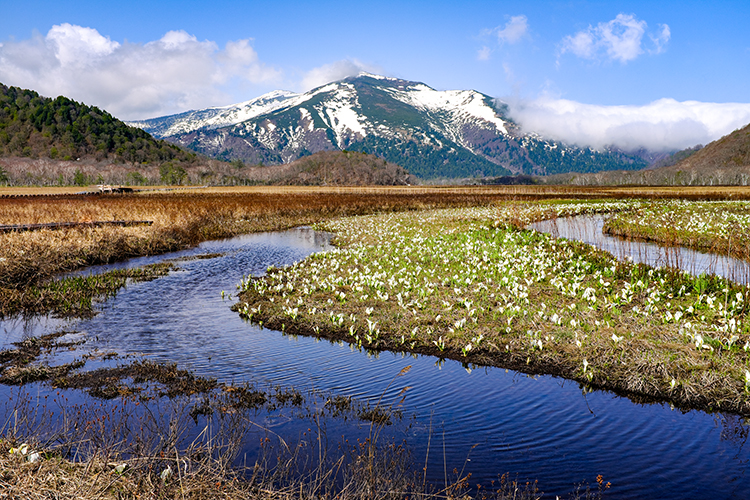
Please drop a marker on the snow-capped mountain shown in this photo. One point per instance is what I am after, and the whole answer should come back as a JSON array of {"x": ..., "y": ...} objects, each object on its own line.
[
  {"x": 457, "y": 133},
  {"x": 216, "y": 117}
]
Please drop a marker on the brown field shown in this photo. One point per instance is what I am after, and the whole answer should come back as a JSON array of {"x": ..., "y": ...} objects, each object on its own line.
[
  {"x": 543, "y": 191},
  {"x": 182, "y": 218},
  {"x": 186, "y": 216}
]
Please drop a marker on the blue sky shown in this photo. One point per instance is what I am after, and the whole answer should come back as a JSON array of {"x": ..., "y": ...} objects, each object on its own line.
[{"x": 627, "y": 73}]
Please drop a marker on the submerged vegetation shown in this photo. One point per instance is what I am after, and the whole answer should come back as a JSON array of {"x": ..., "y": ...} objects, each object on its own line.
[
  {"x": 73, "y": 296},
  {"x": 158, "y": 431},
  {"x": 471, "y": 285}
]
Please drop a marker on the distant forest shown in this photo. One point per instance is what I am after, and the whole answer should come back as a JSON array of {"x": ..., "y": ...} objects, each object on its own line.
[{"x": 39, "y": 127}]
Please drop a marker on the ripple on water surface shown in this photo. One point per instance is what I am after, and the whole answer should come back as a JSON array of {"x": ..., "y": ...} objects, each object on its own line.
[{"x": 491, "y": 420}]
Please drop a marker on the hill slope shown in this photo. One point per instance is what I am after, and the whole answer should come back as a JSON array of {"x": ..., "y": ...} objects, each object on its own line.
[
  {"x": 39, "y": 127},
  {"x": 332, "y": 168},
  {"x": 431, "y": 133},
  {"x": 725, "y": 161},
  {"x": 730, "y": 151}
]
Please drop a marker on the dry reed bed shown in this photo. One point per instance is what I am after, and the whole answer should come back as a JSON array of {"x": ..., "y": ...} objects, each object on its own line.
[
  {"x": 180, "y": 219},
  {"x": 469, "y": 285},
  {"x": 185, "y": 218}
]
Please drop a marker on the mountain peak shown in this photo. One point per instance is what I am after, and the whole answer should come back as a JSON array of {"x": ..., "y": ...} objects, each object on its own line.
[{"x": 432, "y": 133}]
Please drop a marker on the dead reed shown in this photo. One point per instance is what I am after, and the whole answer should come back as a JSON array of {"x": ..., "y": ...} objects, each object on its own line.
[{"x": 181, "y": 219}]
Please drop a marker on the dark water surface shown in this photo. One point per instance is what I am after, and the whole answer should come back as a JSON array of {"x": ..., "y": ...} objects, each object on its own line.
[{"x": 501, "y": 421}]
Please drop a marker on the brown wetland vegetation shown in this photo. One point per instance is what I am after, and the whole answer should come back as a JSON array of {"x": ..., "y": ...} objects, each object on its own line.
[{"x": 30, "y": 262}]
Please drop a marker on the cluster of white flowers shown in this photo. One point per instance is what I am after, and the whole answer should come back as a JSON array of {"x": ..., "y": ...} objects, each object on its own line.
[
  {"x": 457, "y": 276},
  {"x": 714, "y": 219}
]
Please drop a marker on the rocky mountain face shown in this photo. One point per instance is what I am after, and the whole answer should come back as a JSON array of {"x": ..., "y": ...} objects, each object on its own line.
[{"x": 433, "y": 134}]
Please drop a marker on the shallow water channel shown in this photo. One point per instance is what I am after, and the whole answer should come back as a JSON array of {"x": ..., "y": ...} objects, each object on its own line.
[
  {"x": 492, "y": 420},
  {"x": 588, "y": 228}
]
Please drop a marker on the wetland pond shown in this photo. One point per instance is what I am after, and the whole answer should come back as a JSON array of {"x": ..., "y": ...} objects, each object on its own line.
[{"x": 488, "y": 420}]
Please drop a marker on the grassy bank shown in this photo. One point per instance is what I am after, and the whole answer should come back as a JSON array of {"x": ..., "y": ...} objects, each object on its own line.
[
  {"x": 717, "y": 227},
  {"x": 180, "y": 219},
  {"x": 30, "y": 260},
  {"x": 73, "y": 296},
  {"x": 468, "y": 284}
]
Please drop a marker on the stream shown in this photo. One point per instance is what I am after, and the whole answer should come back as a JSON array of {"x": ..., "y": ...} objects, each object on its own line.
[{"x": 488, "y": 420}]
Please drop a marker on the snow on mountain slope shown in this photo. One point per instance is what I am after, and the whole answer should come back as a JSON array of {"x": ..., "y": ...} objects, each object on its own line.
[
  {"x": 215, "y": 117},
  {"x": 433, "y": 133},
  {"x": 339, "y": 112},
  {"x": 462, "y": 104}
]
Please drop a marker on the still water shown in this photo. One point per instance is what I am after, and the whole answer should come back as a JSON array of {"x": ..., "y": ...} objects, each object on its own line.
[
  {"x": 490, "y": 420},
  {"x": 588, "y": 228}
]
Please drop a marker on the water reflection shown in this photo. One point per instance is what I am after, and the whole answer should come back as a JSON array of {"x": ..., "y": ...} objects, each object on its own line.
[
  {"x": 490, "y": 420},
  {"x": 588, "y": 229}
]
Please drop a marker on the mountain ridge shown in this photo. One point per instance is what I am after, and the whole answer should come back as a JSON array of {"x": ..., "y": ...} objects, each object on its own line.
[{"x": 449, "y": 134}]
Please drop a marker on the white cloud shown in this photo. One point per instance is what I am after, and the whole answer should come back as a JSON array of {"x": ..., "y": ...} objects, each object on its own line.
[
  {"x": 663, "y": 125},
  {"x": 661, "y": 38},
  {"x": 335, "y": 71},
  {"x": 620, "y": 39},
  {"x": 131, "y": 81},
  {"x": 514, "y": 30},
  {"x": 484, "y": 53}
]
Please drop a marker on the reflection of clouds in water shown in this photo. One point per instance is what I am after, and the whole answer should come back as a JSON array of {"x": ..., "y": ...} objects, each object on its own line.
[
  {"x": 588, "y": 228},
  {"x": 504, "y": 420},
  {"x": 20, "y": 328},
  {"x": 301, "y": 238}
]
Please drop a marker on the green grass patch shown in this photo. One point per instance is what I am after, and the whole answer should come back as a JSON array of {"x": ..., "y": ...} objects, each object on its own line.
[
  {"x": 74, "y": 296},
  {"x": 468, "y": 284}
]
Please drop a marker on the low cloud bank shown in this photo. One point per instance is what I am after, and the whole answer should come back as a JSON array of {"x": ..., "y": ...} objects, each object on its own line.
[{"x": 660, "y": 126}]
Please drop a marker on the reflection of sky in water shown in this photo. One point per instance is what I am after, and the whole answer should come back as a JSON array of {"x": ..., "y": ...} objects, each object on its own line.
[
  {"x": 588, "y": 229},
  {"x": 538, "y": 427}
]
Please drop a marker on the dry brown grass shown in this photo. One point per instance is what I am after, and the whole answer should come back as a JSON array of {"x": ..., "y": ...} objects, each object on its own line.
[
  {"x": 519, "y": 192},
  {"x": 182, "y": 219},
  {"x": 185, "y": 217}
]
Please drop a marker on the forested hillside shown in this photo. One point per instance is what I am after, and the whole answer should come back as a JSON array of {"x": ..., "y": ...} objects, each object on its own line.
[
  {"x": 39, "y": 127},
  {"x": 334, "y": 168}
]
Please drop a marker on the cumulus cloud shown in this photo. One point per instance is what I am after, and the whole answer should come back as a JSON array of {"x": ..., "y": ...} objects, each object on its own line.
[
  {"x": 621, "y": 39},
  {"x": 663, "y": 125},
  {"x": 131, "y": 81},
  {"x": 335, "y": 71}
]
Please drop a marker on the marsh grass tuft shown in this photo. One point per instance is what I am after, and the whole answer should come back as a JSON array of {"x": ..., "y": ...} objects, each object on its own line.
[{"x": 74, "y": 296}]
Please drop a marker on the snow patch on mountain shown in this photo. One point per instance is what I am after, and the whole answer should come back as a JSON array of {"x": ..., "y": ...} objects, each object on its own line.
[
  {"x": 216, "y": 117},
  {"x": 342, "y": 115},
  {"x": 462, "y": 104}
]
